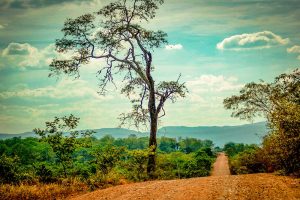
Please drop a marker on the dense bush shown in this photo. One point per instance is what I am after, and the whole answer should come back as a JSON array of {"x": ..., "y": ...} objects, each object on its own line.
[
  {"x": 232, "y": 149},
  {"x": 44, "y": 174},
  {"x": 244, "y": 158},
  {"x": 135, "y": 165},
  {"x": 9, "y": 170},
  {"x": 62, "y": 156},
  {"x": 104, "y": 161},
  {"x": 181, "y": 165},
  {"x": 247, "y": 162},
  {"x": 107, "y": 157},
  {"x": 199, "y": 165}
]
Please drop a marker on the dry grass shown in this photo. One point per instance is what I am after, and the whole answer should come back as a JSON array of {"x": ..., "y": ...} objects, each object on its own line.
[{"x": 41, "y": 191}]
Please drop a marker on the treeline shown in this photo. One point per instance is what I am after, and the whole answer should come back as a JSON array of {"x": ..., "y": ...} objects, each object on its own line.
[{"x": 98, "y": 162}]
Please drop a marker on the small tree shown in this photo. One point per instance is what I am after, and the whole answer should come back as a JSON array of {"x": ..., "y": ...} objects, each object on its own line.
[
  {"x": 115, "y": 35},
  {"x": 279, "y": 102},
  {"x": 60, "y": 136}
]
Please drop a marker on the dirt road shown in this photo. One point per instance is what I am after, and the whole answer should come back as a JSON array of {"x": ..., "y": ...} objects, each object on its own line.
[
  {"x": 220, "y": 186},
  {"x": 221, "y": 167}
]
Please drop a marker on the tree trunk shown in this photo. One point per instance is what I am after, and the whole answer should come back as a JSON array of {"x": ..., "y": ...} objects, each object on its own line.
[
  {"x": 152, "y": 145},
  {"x": 153, "y": 119},
  {"x": 153, "y": 127}
]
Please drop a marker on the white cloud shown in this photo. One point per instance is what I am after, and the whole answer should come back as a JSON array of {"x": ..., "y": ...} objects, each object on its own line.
[
  {"x": 205, "y": 98},
  {"x": 14, "y": 49},
  {"x": 64, "y": 89},
  {"x": 25, "y": 55},
  {"x": 211, "y": 86},
  {"x": 173, "y": 47},
  {"x": 294, "y": 49},
  {"x": 214, "y": 83},
  {"x": 259, "y": 40}
]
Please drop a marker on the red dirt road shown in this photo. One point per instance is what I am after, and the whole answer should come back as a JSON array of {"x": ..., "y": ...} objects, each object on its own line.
[
  {"x": 220, "y": 186},
  {"x": 221, "y": 167}
]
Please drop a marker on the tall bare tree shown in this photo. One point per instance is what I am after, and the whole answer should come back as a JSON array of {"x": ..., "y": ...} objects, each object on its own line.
[{"x": 115, "y": 34}]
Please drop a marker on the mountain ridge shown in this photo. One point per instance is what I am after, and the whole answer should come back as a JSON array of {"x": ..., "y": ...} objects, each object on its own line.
[{"x": 220, "y": 135}]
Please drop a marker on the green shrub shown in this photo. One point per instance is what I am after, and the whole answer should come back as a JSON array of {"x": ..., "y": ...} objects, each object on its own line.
[
  {"x": 135, "y": 165},
  {"x": 9, "y": 170},
  {"x": 247, "y": 162},
  {"x": 181, "y": 165},
  {"x": 170, "y": 166},
  {"x": 107, "y": 157},
  {"x": 198, "y": 166},
  {"x": 167, "y": 144},
  {"x": 44, "y": 174}
]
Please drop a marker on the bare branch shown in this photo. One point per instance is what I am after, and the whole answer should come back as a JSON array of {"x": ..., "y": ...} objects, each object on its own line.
[{"x": 164, "y": 113}]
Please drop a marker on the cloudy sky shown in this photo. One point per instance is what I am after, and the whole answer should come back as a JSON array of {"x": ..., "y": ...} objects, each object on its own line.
[{"x": 217, "y": 46}]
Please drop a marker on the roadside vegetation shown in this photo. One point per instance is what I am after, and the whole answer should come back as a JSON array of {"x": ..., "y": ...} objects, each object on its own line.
[
  {"x": 279, "y": 102},
  {"x": 244, "y": 159},
  {"x": 58, "y": 164}
]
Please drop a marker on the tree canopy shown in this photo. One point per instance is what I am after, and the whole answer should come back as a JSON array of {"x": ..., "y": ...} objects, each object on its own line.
[{"x": 264, "y": 99}]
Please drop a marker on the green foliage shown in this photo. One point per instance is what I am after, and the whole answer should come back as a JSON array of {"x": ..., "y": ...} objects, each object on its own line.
[
  {"x": 168, "y": 145},
  {"x": 200, "y": 165},
  {"x": 99, "y": 180},
  {"x": 182, "y": 165},
  {"x": 63, "y": 146},
  {"x": 9, "y": 170},
  {"x": 104, "y": 161},
  {"x": 165, "y": 144},
  {"x": 27, "y": 150},
  {"x": 136, "y": 164},
  {"x": 231, "y": 149},
  {"x": 3, "y": 147},
  {"x": 244, "y": 158},
  {"x": 279, "y": 102},
  {"x": 207, "y": 150},
  {"x": 247, "y": 162},
  {"x": 284, "y": 144},
  {"x": 132, "y": 142},
  {"x": 107, "y": 157},
  {"x": 189, "y": 145},
  {"x": 45, "y": 174}
]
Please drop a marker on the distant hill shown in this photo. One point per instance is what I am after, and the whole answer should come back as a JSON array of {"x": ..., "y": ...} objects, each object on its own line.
[
  {"x": 4, "y": 136},
  {"x": 117, "y": 132},
  {"x": 220, "y": 135},
  {"x": 99, "y": 133}
]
